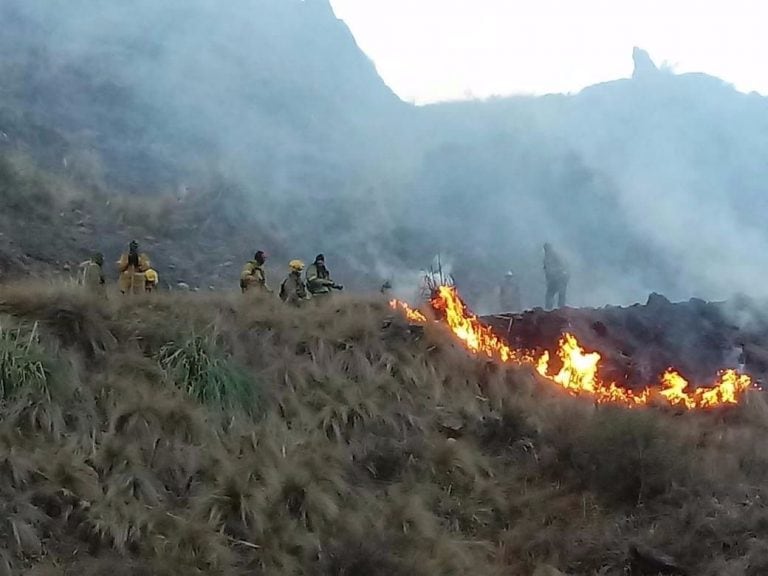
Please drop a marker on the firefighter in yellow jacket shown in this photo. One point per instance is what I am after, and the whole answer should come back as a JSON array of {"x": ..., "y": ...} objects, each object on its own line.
[
  {"x": 253, "y": 274},
  {"x": 132, "y": 266},
  {"x": 293, "y": 290},
  {"x": 93, "y": 275},
  {"x": 152, "y": 279}
]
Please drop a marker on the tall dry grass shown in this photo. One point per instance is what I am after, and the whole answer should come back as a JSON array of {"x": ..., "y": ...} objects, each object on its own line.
[{"x": 222, "y": 434}]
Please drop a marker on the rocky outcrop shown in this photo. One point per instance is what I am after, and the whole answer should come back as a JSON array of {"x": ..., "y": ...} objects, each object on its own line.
[{"x": 644, "y": 65}]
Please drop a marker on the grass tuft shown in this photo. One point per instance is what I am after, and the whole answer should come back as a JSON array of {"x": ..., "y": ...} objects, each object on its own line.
[
  {"x": 23, "y": 363},
  {"x": 627, "y": 457},
  {"x": 199, "y": 367}
]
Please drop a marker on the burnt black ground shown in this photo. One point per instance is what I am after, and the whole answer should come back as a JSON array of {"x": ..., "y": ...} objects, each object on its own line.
[{"x": 638, "y": 343}]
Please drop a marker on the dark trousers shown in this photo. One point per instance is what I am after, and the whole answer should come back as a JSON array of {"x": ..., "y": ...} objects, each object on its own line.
[{"x": 555, "y": 287}]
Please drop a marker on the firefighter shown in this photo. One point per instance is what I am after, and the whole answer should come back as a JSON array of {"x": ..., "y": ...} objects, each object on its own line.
[
  {"x": 93, "y": 275},
  {"x": 293, "y": 290},
  {"x": 152, "y": 279},
  {"x": 253, "y": 274},
  {"x": 132, "y": 266},
  {"x": 319, "y": 280},
  {"x": 556, "y": 276},
  {"x": 509, "y": 293},
  {"x": 386, "y": 289}
]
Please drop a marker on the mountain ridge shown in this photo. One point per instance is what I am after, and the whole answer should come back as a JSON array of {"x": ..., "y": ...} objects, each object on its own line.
[{"x": 273, "y": 108}]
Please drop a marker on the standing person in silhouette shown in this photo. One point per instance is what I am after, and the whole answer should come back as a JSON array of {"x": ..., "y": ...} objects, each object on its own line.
[
  {"x": 509, "y": 294},
  {"x": 556, "y": 275}
]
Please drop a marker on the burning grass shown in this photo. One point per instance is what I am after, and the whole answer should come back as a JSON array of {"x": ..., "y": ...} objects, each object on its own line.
[
  {"x": 578, "y": 371},
  {"x": 231, "y": 435}
]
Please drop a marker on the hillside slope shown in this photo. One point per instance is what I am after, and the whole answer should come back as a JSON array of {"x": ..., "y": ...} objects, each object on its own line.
[
  {"x": 182, "y": 102},
  {"x": 164, "y": 94},
  {"x": 217, "y": 435},
  {"x": 654, "y": 183}
]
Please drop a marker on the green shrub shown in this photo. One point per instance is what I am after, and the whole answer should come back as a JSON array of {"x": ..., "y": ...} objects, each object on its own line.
[
  {"x": 201, "y": 369},
  {"x": 22, "y": 363}
]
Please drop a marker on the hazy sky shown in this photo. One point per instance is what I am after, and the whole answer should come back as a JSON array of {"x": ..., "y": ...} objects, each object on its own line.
[{"x": 430, "y": 50}]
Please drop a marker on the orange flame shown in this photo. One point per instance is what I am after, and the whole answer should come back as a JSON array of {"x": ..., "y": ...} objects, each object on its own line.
[
  {"x": 410, "y": 313},
  {"x": 579, "y": 374}
]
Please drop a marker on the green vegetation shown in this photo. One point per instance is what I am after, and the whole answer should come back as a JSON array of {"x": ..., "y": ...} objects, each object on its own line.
[
  {"x": 198, "y": 367},
  {"x": 376, "y": 451},
  {"x": 22, "y": 363}
]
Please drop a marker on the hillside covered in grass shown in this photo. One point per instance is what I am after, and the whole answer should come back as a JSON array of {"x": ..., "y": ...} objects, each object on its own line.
[{"x": 191, "y": 434}]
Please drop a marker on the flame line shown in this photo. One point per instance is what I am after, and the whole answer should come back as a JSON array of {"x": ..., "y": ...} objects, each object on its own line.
[{"x": 579, "y": 374}]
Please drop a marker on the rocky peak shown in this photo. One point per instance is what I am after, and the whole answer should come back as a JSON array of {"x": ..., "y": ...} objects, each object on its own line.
[{"x": 644, "y": 65}]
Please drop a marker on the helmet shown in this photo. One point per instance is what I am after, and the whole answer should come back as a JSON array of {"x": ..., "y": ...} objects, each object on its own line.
[
  {"x": 151, "y": 275},
  {"x": 296, "y": 265}
]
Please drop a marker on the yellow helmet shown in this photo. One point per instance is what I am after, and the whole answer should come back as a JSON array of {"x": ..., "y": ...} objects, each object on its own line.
[
  {"x": 151, "y": 275},
  {"x": 296, "y": 265}
]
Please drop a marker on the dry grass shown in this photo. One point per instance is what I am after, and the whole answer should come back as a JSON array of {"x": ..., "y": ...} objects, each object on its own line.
[{"x": 220, "y": 434}]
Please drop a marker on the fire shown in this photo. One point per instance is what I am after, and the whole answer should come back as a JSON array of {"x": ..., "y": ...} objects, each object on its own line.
[
  {"x": 579, "y": 372},
  {"x": 476, "y": 336},
  {"x": 410, "y": 313}
]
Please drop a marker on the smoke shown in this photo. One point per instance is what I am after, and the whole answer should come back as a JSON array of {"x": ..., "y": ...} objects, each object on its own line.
[
  {"x": 650, "y": 184},
  {"x": 688, "y": 168}
]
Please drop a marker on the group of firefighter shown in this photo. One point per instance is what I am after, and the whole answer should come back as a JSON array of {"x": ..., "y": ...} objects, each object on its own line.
[
  {"x": 136, "y": 273},
  {"x": 137, "y": 276},
  {"x": 295, "y": 289}
]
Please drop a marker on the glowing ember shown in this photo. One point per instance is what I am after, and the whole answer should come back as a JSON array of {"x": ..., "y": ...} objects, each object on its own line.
[{"x": 579, "y": 371}]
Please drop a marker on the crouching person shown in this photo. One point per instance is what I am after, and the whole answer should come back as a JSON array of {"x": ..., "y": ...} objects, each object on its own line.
[{"x": 151, "y": 280}]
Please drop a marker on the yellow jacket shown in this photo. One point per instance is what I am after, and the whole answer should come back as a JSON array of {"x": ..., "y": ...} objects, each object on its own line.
[
  {"x": 132, "y": 279},
  {"x": 253, "y": 275}
]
